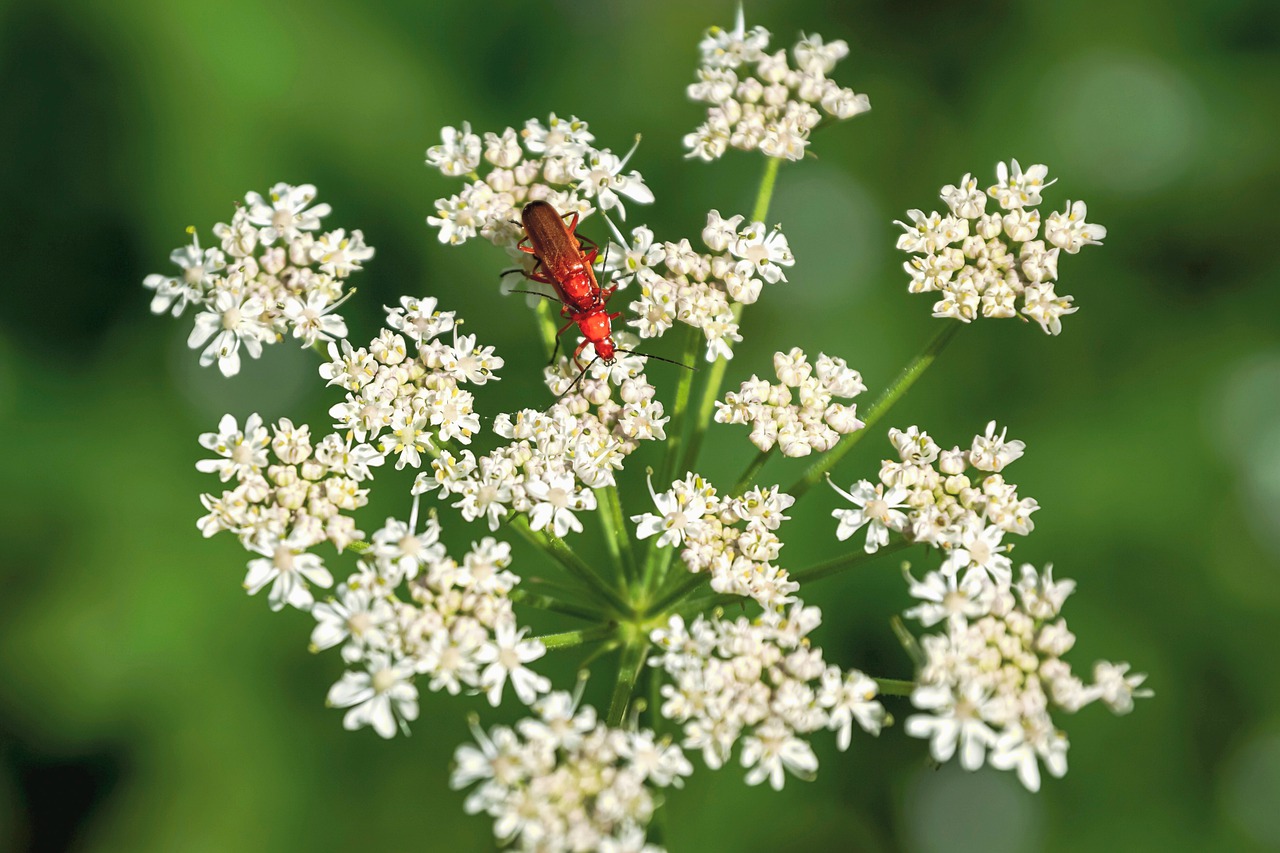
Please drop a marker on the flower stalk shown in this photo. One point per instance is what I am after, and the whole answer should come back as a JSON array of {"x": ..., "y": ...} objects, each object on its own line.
[{"x": 890, "y": 395}]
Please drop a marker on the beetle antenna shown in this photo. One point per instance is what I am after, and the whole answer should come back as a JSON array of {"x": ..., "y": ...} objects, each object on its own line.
[
  {"x": 658, "y": 358},
  {"x": 575, "y": 382},
  {"x": 537, "y": 293}
]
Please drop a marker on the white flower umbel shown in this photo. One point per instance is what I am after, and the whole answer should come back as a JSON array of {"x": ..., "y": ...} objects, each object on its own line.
[
  {"x": 281, "y": 510},
  {"x": 989, "y": 682},
  {"x": 414, "y": 611},
  {"x": 758, "y": 100},
  {"x": 408, "y": 619},
  {"x": 562, "y": 780},
  {"x": 405, "y": 390},
  {"x": 760, "y": 682},
  {"x": 740, "y": 559},
  {"x": 926, "y": 495},
  {"x": 984, "y": 263},
  {"x": 275, "y": 274},
  {"x": 800, "y": 414}
]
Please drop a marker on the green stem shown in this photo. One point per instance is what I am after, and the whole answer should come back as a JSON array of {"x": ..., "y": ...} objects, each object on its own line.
[
  {"x": 545, "y": 310},
  {"x": 694, "y": 606},
  {"x": 615, "y": 533},
  {"x": 764, "y": 194},
  {"x": 894, "y": 686},
  {"x": 611, "y": 530},
  {"x": 679, "y": 413},
  {"x": 744, "y": 482},
  {"x": 686, "y": 586},
  {"x": 655, "y": 698},
  {"x": 555, "y": 547},
  {"x": 715, "y": 378},
  {"x": 909, "y": 642},
  {"x": 629, "y": 667},
  {"x": 883, "y": 403},
  {"x": 845, "y": 562},
  {"x": 569, "y": 639},
  {"x": 555, "y": 605}
]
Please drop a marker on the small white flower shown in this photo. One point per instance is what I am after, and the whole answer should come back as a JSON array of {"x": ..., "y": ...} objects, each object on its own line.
[
  {"x": 680, "y": 515},
  {"x": 773, "y": 751},
  {"x": 382, "y": 697},
  {"x": 312, "y": 320},
  {"x": 175, "y": 293},
  {"x": 1116, "y": 688},
  {"x": 340, "y": 255},
  {"x": 288, "y": 568},
  {"x": 1069, "y": 232},
  {"x": 991, "y": 452},
  {"x": 878, "y": 511},
  {"x": 232, "y": 321},
  {"x": 1016, "y": 189},
  {"x": 458, "y": 153},
  {"x": 954, "y": 721},
  {"x": 599, "y": 176},
  {"x": 556, "y": 498},
  {"x": 286, "y": 213},
  {"x": 356, "y": 614},
  {"x": 242, "y": 453},
  {"x": 506, "y": 655},
  {"x": 979, "y": 551}
]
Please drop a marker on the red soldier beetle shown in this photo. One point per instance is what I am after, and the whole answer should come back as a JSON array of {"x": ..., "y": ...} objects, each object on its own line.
[{"x": 563, "y": 261}]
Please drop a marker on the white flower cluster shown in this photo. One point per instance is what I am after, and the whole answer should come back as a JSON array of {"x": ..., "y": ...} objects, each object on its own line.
[
  {"x": 553, "y": 162},
  {"x": 555, "y": 458},
  {"x": 770, "y": 106},
  {"x": 637, "y": 415},
  {"x": 696, "y": 288},
  {"x": 281, "y": 509},
  {"x": 986, "y": 262},
  {"x": 563, "y": 780},
  {"x": 929, "y": 495},
  {"x": 280, "y": 277},
  {"x": 799, "y": 414},
  {"x": 409, "y": 400},
  {"x": 455, "y": 626},
  {"x": 740, "y": 559},
  {"x": 988, "y": 683},
  {"x": 761, "y": 682}
]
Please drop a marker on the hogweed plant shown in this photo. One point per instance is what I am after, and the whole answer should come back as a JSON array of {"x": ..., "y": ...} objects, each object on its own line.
[{"x": 990, "y": 684}]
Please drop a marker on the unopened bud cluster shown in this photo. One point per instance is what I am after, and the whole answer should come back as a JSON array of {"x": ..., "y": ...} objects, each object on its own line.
[
  {"x": 799, "y": 414},
  {"x": 759, "y": 100},
  {"x": 996, "y": 264}
]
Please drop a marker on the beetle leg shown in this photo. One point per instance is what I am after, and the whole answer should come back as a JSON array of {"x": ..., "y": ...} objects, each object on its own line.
[{"x": 577, "y": 353}]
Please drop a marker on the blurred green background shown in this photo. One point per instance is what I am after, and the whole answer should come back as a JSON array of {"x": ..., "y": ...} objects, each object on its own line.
[{"x": 147, "y": 704}]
